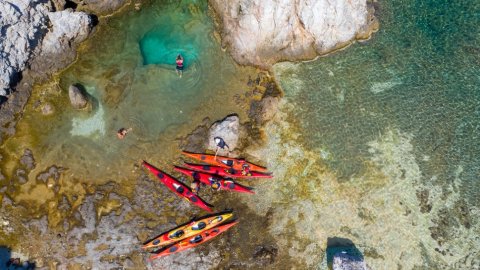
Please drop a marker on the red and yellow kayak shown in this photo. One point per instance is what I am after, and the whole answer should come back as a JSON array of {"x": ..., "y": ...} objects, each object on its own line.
[
  {"x": 177, "y": 187},
  {"x": 212, "y": 180},
  {"x": 193, "y": 241},
  {"x": 226, "y": 162},
  {"x": 226, "y": 172},
  {"x": 185, "y": 231}
]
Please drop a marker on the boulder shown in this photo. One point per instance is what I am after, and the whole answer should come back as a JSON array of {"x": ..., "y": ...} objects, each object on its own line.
[
  {"x": 262, "y": 32},
  {"x": 78, "y": 96},
  {"x": 345, "y": 261},
  {"x": 228, "y": 129}
]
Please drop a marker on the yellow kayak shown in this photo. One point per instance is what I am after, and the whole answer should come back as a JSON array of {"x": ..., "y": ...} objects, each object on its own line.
[{"x": 185, "y": 231}]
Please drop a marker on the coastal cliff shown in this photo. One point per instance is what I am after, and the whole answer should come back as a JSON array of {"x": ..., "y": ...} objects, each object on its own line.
[
  {"x": 33, "y": 33},
  {"x": 263, "y": 32}
]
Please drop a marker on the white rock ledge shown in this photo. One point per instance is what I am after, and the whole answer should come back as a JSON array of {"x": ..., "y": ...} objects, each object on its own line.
[{"x": 263, "y": 32}]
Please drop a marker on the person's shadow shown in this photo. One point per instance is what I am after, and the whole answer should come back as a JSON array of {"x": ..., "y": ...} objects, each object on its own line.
[
  {"x": 344, "y": 246},
  {"x": 7, "y": 264}
]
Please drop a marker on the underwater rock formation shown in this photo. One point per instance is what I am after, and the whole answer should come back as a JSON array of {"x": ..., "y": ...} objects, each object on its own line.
[
  {"x": 78, "y": 96},
  {"x": 264, "y": 32}
]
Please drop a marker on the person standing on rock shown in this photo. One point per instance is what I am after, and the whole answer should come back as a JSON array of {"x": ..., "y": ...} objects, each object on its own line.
[
  {"x": 220, "y": 144},
  {"x": 179, "y": 67}
]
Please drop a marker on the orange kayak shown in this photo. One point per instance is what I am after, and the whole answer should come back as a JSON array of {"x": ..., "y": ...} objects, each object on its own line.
[
  {"x": 226, "y": 162},
  {"x": 193, "y": 241},
  {"x": 185, "y": 231}
]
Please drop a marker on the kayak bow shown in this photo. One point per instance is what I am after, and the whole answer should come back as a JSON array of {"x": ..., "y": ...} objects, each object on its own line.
[
  {"x": 177, "y": 187},
  {"x": 226, "y": 162}
]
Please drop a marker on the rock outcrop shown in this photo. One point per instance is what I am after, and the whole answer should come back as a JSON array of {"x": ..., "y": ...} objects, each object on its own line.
[
  {"x": 229, "y": 130},
  {"x": 262, "y": 32},
  {"x": 33, "y": 35},
  {"x": 99, "y": 6},
  {"x": 78, "y": 96},
  {"x": 58, "y": 48},
  {"x": 23, "y": 25}
]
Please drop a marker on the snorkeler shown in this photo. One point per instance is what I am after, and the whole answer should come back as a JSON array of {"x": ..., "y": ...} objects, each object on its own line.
[
  {"x": 179, "y": 67},
  {"x": 121, "y": 133}
]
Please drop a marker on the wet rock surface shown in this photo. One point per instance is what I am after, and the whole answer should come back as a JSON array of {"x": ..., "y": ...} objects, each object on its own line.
[{"x": 264, "y": 32}]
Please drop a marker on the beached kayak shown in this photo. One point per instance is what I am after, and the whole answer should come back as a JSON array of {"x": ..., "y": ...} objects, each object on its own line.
[
  {"x": 177, "y": 187},
  {"x": 185, "y": 231},
  {"x": 226, "y": 162},
  {"x": 214, "y": 180},
  {"x": 226, "y": 172},
  {"x": 193, "y": 241}
]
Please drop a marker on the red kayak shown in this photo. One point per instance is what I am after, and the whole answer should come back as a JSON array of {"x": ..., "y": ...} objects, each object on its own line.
[
  {"x": 226, "y": 162},
  {"x": 193, "y": 241},
  {"x": 214, "y": 181},
  {"x": 227, "y": 172},
  {"x": 177, "y": 187}
]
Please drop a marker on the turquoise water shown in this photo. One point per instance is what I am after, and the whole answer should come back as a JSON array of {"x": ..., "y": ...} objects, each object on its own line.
[
  {"x": 128, "y": 68},
  {"x": 418, "y": 79}
]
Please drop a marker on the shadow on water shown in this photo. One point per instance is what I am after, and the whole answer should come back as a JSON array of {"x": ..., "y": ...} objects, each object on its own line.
[
  {"x": 337, "y": 245},
  {"x": 7, "y": 262}
]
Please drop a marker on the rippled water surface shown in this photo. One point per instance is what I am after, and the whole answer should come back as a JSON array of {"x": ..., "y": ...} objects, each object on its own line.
[{"x": 399, "y": 116}]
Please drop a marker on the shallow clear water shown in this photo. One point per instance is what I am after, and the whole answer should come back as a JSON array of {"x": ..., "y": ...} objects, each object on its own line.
[
  {"x": 402, "y": 110},
  {"x": 128, "y": 67}
]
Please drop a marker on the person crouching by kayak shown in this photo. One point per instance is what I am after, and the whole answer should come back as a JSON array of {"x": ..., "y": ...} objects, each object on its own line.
[
  {"x": 195, "y": 186},
  {"x": 121, "y": 133},
  {"x": 179, "y": 67}
]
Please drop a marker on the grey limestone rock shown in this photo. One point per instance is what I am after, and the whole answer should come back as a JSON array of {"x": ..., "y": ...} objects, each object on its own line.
[{"x": 228, "y": 129}]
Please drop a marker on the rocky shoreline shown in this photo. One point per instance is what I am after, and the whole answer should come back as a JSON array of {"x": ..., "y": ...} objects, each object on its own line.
[
  {"x": 41, "y": 37},
  {"x": 52, "y": 31}
]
